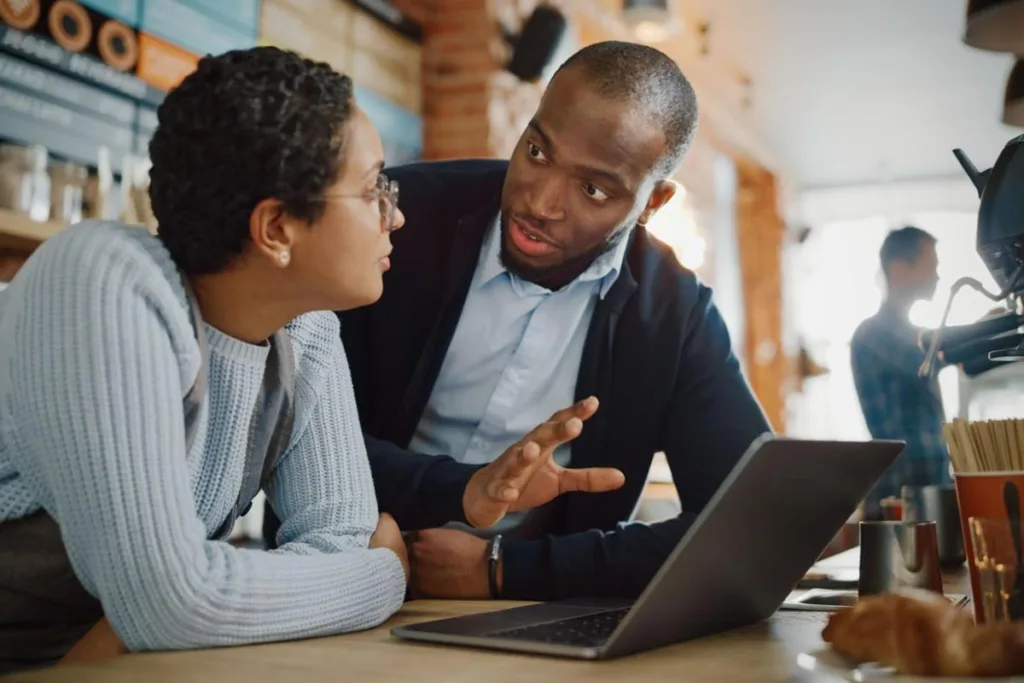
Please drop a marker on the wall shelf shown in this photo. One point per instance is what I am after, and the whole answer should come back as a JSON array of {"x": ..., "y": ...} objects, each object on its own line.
[{"x": 18, "y": 232}]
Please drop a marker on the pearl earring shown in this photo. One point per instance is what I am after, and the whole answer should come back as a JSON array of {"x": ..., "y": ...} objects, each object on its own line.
[{"x": 283, "y": 257}]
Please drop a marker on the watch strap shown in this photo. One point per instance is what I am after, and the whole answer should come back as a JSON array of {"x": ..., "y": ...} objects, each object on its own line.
[{"x": 493, "y": 555}]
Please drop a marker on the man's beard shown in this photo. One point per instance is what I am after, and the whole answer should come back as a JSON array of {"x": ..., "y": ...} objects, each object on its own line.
[{"x": 558, "y": 275}]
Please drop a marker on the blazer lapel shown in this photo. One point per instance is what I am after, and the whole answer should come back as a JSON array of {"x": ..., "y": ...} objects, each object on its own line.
[{"x": 595, "y": 374}]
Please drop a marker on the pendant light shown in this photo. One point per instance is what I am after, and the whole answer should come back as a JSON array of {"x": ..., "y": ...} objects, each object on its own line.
[
  {"x": 650, "y": 20},
  {"x": 995, "y": 25},
  {"x": 1013, "y": 106}
]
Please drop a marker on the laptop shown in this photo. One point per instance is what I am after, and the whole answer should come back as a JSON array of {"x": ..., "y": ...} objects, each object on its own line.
[{"x": 767, "y": 523}]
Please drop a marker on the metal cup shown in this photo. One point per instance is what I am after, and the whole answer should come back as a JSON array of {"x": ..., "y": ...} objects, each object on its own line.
[
  {"x": 938, "y": 504},
  {"x": 899, "y": 555}
]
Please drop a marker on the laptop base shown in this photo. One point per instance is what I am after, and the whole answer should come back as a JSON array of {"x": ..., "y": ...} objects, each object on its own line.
[{"x": 562, "y": 628}]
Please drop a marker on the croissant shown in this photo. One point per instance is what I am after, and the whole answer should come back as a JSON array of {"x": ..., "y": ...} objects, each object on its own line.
[{"x": 920, "y": 633}]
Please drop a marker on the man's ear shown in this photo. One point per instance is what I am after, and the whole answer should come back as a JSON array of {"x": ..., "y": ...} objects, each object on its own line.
[
  {"x": 271, "y": 231},
  {"x": 663, "y": 191}
]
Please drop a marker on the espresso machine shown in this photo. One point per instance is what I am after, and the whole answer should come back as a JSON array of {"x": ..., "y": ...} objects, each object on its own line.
[{"x": 996, "y": 339}]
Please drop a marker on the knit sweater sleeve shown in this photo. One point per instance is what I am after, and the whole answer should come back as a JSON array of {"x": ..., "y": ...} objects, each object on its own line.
[
  {"x": 322, "y": 489},
  {"x": 100, "y": 421}
]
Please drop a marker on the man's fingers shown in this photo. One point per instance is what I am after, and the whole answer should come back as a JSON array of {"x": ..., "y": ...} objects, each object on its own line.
[
  {"x": 504, "y": 488},
  {"x": 565, "y": 425},
  {"x": 582, "y": 409},
  {"x": 514, "y": 470},
  {"x": 552, "y": 433},
  {"x": 590, "y": 480}
]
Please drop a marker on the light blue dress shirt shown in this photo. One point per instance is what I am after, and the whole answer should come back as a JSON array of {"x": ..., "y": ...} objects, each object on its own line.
[{"x": 513, "y": 360}]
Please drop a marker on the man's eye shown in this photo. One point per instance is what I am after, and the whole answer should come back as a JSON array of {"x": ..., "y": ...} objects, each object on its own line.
[
  {"x": 534, "y": 151},
  {"x": 594, "y": 192}
]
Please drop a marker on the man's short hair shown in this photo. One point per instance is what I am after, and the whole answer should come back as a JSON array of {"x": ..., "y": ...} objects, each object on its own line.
[
  {"x": 650, "y": 79},
  {"x": 904, "y": 244}
]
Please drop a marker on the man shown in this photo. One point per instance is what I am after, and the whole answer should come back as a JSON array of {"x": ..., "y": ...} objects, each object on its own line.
[
  {"x": 518, "y": 286},
  {"x": 886, "y": 355}
]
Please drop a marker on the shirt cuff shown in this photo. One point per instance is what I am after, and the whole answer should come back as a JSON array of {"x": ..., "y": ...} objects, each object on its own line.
[
  {"x": 521, "y": 575},
  {"x": 446, "y": 480}
]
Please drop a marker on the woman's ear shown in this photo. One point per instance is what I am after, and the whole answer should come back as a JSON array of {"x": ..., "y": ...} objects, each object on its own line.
[
  {"x": 663, "y": 191},
  {"x": 272, "y": 232}
]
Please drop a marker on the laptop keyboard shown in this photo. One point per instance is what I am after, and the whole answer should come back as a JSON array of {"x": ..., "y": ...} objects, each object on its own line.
[{"x": 587, "y": 631}]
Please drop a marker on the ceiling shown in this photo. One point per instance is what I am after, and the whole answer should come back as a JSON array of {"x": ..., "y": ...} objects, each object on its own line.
[{"x": 850, "y": 92}]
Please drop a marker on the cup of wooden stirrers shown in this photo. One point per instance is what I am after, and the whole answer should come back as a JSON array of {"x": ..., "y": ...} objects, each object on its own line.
[{"x": 988, "y": 470}]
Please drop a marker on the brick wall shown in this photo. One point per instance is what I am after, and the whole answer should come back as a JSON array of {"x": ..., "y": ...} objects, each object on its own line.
[{"x": 472, "y": 107}]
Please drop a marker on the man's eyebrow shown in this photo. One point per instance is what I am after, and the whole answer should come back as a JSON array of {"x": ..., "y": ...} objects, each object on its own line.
[
  {"x": 607, "y": 175},
  {"x": 539, "y": 130},
  {"x": 610, "y": 176}
]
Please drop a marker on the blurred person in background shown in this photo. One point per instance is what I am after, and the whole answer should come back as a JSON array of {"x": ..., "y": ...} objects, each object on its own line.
[{"x": 886, "y": 354}]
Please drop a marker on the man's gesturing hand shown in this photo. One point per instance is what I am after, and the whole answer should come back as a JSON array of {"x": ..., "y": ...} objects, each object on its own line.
[{"x": 525, "y": 475}]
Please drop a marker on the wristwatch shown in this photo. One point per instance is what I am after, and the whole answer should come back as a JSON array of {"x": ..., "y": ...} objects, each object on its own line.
[{"x": 493, "y": 555}]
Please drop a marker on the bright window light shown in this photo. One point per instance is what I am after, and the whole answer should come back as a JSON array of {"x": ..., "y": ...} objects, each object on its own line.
[{"x": 675, "y": 224}]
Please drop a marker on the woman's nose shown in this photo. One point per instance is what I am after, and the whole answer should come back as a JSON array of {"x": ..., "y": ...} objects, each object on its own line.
[{"x": 399, "y": 219}]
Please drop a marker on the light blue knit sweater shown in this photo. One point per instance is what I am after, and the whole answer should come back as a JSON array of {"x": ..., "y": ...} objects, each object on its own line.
[{"x": 96, "y": 353}]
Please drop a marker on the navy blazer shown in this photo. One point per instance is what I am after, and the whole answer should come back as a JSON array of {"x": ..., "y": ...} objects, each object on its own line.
[{"x": 657, "y": 355}]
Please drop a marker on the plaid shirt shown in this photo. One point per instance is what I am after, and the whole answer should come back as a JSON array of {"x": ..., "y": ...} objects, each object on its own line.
[{"x": 897, "y": 404}]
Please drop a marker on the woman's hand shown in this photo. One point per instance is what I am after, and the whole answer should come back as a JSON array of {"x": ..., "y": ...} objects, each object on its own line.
[
  {"x": 388, "y": 535},
  {"x": 99, "y": 644},
  {"x": 525, "y": 475}
]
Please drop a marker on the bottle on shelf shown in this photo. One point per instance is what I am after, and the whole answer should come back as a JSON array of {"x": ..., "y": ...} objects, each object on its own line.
[{"x": 25, "y": 181}]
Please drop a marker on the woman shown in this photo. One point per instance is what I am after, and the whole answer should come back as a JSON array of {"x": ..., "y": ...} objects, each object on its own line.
[{"x": 267, "y": 186}]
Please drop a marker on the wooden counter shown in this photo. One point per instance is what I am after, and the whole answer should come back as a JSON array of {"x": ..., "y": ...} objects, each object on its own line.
[{"x": 766, "y": 653}]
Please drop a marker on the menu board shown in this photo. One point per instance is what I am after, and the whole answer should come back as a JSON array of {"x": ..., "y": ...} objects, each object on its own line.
[{"x": 77, "y": 75}]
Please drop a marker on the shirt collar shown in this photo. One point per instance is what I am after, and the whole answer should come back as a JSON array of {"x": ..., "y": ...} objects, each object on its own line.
[{"x": 605, "y": 267}]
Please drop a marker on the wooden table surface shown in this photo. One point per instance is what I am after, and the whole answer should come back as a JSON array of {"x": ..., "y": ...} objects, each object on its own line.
[{"x": 766, "y": 653}]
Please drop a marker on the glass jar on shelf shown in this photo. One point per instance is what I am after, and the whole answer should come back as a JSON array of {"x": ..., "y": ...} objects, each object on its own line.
[
  {"x": 24, "y": 180},
  {"x": 67, "y": 183}
]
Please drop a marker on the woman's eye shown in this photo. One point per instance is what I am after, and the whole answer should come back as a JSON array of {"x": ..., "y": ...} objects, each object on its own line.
[
  {"x": 594, "y": 192},
  {"x": 534, "y": 151}
]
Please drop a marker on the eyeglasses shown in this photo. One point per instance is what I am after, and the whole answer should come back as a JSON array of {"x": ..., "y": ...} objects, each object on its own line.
[{"x": 385, "y": 193}]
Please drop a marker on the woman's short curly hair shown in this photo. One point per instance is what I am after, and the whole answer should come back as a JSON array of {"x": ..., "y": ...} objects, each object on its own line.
[{"x": 245, "y": 126}]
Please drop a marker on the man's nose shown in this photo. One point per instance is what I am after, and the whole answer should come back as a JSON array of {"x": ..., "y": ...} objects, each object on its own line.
[{"x": 546, "y": 199}]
